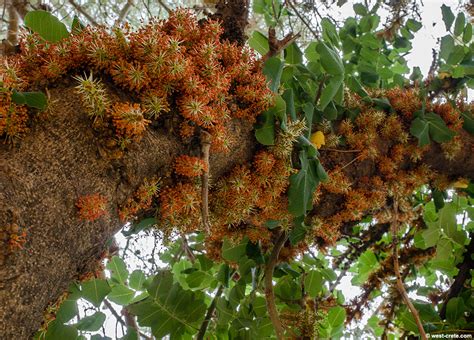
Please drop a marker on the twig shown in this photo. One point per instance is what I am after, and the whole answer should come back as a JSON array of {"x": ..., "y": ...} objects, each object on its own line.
[
  {"x": 396, "y": 269},
  {"x": 269, "y": 295},
  {"x": 187, "y": 249},
  {"x": 124, "y": 11},
  {"x": 275, "y": 45},
  {"x": 337, "y": 150},
  {"x": 78, "y": 8},
  {"x": 165, "y": 6},
  {"x": 119, "y": 318},
  {"x": 346, "y": 165},
  {"x": 210, "y": 311},
  {"x": 316, "y": 35},
  {"x": 205, "y": 147}
]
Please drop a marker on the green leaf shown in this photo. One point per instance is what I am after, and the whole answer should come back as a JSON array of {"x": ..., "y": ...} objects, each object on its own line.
[
  {"x": 447, "y": 45},
  {"x": 137, "y": 278},
  {"x": 169, "y": 310},
  {"x": 121, "y": 295},
  {"x": 467, "y": 35},
  {"x": 336, "y": 316},
  {"x": 330, "y": 60},
  {"x": 302, "y": 186},
  {"x": 329, "y": 91},
  {"x": 91, "y": 323},
  {"x": 414, "y": 25},
  {"x": 233, "y": 252},
  {"x": 46, "y": 25},
  {"x": 329, "y": 32},
  {"x": 36, "y": 100},
  {"x": 293, "y": 54},
  {"x": 459, "y": 24},
  {"x": 67, "y": 310},
  {"x": 360, "y": 9},
  {"x": 131, "y": 335},
  {"x": 142, "y": 225},
  {"x": 265, "y": 132},
  {"x": 448, "y": 16},
  {"x": 95, "y": 291},
  {"x": 430, "y": 236},
  {"x": 313, "y": 283},
  {"x": 77, "y": 25},
  {"x": 468, "y": 124},
  {"x": 259, "y": 43},
  {"x": 118, "y": 268},
  {"x": 420, "y": 129},
  {"x": 456, "y": 55},
  {"x": 298, "y": 232},
  {"x": 273, "y": 69},
  {"x": 58, "y": 331},
  {"x": 438, "y": 129},
  {"x": 454, "y": 310}
]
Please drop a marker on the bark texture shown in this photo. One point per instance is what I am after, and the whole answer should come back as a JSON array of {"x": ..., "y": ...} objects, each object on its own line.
[{"x": 41, "y": 179}]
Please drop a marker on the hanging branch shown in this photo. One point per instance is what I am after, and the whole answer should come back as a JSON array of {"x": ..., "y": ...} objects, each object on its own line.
[
  {"x": 124, "y": 11},
  {"x": 78, "y": 8},
  {"x": 205, "y": 147},
  {"x": 210, "y": 311},
  {"x": 187, "y": 249},
  {"x": 396, "y": 269},
  {"x": 130, "y": 320},
  {"x": 269, "y": 295}
]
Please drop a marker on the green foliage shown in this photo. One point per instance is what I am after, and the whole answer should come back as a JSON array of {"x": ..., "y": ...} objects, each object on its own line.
[
  {"x": 46, "y": 25},
  {"x": 36, "y": 100}
]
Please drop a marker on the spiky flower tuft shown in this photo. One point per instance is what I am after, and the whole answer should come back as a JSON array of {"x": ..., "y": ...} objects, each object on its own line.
[{"x": 93, "y": 95}]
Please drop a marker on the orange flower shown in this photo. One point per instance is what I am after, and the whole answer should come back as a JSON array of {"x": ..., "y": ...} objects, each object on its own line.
[
  {"x": 92, "y": 207},
  {"x": 190, "y": 166}
]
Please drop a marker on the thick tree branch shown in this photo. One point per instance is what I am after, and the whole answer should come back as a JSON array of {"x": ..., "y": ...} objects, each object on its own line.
[{"x": 269, "y": 295}]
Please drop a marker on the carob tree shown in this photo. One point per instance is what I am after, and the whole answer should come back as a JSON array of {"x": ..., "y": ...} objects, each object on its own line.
[{"x": 174, "y": 126}]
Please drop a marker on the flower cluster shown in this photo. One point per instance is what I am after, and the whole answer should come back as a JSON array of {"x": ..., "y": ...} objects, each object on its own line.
[
  {"x": 174, "y": 65},
  {"x": 128, "y": 121},
  {"x": 141, "y": 200},
  {"x": 14, "y": 238},
  {"x": 92, "y": 207},
  {"x": 189, "y": 166}
]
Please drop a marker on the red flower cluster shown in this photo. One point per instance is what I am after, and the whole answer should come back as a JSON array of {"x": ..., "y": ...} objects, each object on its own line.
[
  {"x": 190, "y": 166},
  {"x": 169, "y": 64},
  {"x": 92, "y": 207}
]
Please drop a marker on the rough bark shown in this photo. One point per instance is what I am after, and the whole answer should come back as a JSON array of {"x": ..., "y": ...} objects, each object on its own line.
[{"x": 40, "y": 181}]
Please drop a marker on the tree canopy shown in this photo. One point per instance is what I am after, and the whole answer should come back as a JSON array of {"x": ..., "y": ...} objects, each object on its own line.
[{"x": 255, "y": 158}]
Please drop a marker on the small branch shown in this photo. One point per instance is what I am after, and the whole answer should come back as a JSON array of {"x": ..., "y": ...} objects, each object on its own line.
[
  {"x": 337, "y": 150},
  {"x": 289, "y": 2},
  {"x": 320, "y": 90},
  {"x": 187, "y": 249},
  {"x": 9, "y": 44},
  {"x": 124, "y": 11},
  {"x": 205, "y": 147},
  {"x": 269, "y": 295},
  {"x": 78, "y": 8},
  {"x": 210, "y": 311},
  {"x": 127, "y": 317},
  {"x": 275, "y": 45},
  {"x": 396, "y": 269}
]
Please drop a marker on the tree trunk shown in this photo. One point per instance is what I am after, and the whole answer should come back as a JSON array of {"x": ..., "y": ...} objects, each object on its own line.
[{"x": 41, "y": 179}]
